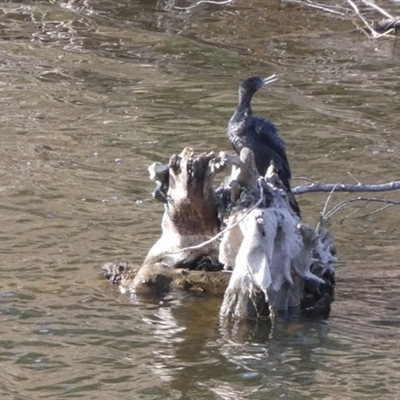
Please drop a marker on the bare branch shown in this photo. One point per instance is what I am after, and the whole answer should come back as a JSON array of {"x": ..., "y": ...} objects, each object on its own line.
[
  {"x": 353, "y": 212},
  {"x": 341, "y": 187},
  {"x": 329, "y": 197},
  {"x": 325, "y": 207},
  {"x": 357, "y": 11},
  {"x": 367, "y": 200},
  {"x": 203, "y": 2},
  {"x": 377, "y": 211},
  {"x": 375, "y": 30},
  {"x": 387, "y": 25},
  {"x": 381, "y": 10},
  {"x": 318, "y": 6}
]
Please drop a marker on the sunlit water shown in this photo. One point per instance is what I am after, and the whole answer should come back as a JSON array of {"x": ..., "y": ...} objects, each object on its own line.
[{"x": 93, "y": 92}]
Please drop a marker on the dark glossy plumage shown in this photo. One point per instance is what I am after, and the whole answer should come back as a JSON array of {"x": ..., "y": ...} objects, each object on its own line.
[{"x": 260, "y": 135}]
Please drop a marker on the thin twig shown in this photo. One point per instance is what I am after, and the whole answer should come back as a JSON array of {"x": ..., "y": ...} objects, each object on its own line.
[
  {"x": 366, "y": 215},
  {"x": 374, "y": 33},
  {"x": 203, "y": 2},
  {"x": 350, "y": 174},
  {"x": 354, "y": 212},
  {"x": 344, "y": 203},
  {"x": 329, "y": 197},
  {"x": 357, "y": 11},
  {"x": 326, "y": 206},
  {"x": 376, "y": 211},
  {"x": 313, "y": 5},
  {"x": 303, "y": 178},
  {"x": 344, "y": 11}
]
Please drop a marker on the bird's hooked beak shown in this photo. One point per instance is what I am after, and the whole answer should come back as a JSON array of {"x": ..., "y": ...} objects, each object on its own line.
[{"x": 270, "y": 79}]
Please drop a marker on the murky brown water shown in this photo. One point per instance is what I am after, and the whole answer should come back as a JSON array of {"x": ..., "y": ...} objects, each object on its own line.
[{"x": 92, "y": 92}]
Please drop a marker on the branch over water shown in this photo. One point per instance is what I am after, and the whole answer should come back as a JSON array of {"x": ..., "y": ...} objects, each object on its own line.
[{"x": 341, "y": 187}]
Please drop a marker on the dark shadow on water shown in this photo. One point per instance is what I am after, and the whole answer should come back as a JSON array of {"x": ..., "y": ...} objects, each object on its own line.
[{"x": 300, "y": 328}]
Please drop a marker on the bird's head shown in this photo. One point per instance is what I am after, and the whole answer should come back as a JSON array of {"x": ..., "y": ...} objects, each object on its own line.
[{"x": 249, "y": 86}]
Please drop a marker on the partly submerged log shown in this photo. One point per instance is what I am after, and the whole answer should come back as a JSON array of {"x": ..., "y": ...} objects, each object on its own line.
[
  {"x": 158, "y": 278},
  {"x": 245, "y": 226}
]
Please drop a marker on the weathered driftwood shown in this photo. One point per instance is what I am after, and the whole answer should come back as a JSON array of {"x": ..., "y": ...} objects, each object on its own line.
[{"x": 245, "y": 226}]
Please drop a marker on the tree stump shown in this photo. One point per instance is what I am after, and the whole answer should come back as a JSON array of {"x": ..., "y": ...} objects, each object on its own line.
[{"x": 241, "y": 239}]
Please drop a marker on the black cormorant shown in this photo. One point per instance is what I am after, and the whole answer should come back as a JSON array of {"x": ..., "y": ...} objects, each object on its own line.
[{"x": 260, "y": 135}]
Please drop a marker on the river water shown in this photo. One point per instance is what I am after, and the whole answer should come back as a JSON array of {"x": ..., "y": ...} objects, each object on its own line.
[{"x": 93, "y": 92}]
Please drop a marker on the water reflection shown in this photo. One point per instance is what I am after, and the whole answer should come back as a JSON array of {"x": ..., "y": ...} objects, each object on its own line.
[
  {"x": 202, "y": 357},
  {"x": 255, "y": 359}
]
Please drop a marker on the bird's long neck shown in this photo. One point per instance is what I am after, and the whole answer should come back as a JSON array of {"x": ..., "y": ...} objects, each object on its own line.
[
  {"x": 245, "y": 101},
  {"x": 240, "y": 119},
  {"x": 242, "y": 115}
]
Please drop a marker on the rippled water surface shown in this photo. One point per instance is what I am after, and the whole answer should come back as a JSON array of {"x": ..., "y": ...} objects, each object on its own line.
[{"x": 92, "y": 92}]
